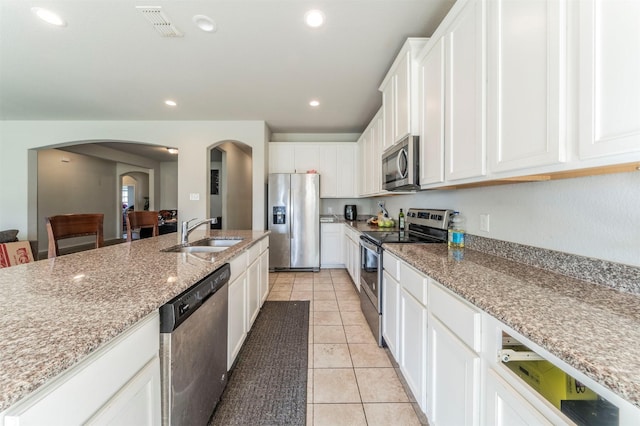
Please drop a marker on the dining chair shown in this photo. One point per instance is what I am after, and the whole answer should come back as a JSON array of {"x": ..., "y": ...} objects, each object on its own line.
[
  {"x": 142, "y": 220},
  {"x": 65, "y": 226}
]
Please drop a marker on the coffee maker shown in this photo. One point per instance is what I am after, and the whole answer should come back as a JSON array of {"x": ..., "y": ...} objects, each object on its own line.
[{"x": 350, "y": 212}]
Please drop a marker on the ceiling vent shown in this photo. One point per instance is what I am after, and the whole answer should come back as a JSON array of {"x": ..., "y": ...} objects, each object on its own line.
[{"x": 159, "y": 20}]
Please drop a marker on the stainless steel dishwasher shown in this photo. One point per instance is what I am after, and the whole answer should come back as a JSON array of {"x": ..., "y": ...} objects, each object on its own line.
[{"x": 193, "y": 350}]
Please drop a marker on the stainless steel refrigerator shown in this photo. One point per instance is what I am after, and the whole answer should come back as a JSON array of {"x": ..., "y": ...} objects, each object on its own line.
[{"x": 294, "y": 221}]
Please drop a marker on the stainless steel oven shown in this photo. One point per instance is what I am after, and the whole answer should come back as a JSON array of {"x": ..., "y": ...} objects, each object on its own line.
[
  {"x": 423, "y": 226},
  {"x": 370, "y": 279}
]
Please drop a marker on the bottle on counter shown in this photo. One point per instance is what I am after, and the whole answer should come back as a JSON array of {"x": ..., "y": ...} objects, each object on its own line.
[
  {"x": 401, "y": 220},
  {"x": 456, "y": 231}
]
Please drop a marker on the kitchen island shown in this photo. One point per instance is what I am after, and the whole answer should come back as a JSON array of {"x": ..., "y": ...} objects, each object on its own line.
[{"x": 57, "y": 312}]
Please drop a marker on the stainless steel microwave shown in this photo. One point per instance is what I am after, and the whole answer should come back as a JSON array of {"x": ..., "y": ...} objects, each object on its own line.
[{"x": 401, "y": 167}]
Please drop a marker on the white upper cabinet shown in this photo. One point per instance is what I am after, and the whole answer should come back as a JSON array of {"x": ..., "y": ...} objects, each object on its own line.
[
  {"x": 376, "y": 148},
  {"x": 334, "y": 161},
  {"x": 399, "y": 94},
  {"x": 370, "y": 157},
  {"x": 465, "y": 143},
  {"x": 328, "y": 169},
  {"x": 403, "y": 75},
  {"x": 526, "y": 113},
  {"x": 346, "y": 182},
  {"x": 306, "y": 158},
  {"x": 291, "y": 157},
  {"x": 388, "y": 116},
  {"x": 281, "y": 158},
  {"x": 362, "y": 163},
  {"x": 432, "y": 89},
  {"x": 609, "y": 73},
  {"x": 337, "y": 170}
]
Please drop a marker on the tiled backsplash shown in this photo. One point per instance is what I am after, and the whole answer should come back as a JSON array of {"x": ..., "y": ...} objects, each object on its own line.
[{"x": 616, "y": 275}]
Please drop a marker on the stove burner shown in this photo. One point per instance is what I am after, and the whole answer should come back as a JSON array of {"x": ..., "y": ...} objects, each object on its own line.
[
  {"x": 381, "y": 237},
  {"x": 423, "y": 226}
]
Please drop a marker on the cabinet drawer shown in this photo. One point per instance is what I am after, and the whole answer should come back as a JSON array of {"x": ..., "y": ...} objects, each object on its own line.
[
  {"x": 254, "y": 252},
  {"x": 238, "y": 265},
  {"x": 463, "y": 320},
  {"x": 413, "y": 282},
  {"x": 264, "y": 244},
  {"x": 391, "y": 264}
]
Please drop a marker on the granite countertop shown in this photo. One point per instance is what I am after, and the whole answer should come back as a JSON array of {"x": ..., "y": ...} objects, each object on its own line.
[
  {"x": 591, "y": 327},
  {"x": 55, "y": 312},
  {"x": 359, "y": 225}
]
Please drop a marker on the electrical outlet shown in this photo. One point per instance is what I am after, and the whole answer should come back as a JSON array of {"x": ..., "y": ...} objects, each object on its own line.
[
  {"x": 484, "y": 222},
  {"x": 194, "y": 196},
  {"x": 330, "y": 210}
]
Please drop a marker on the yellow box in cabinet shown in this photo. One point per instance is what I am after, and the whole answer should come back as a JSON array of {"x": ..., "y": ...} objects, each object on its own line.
[{"x": 551, "y": 382}]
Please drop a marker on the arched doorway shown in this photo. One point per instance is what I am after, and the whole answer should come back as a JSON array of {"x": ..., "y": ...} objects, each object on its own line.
[
  {"x": 134, "y": 194},
  {"x": 231, "y": 184},
  {"x": 88, "y": 177}
]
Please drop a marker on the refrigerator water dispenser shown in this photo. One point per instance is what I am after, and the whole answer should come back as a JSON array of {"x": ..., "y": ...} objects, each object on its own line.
[{"x": 279, "y": 216}]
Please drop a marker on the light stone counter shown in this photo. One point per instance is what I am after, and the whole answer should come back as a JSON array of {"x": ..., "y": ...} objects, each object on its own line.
[
  {"x": 54, "y": 312},
  {"x": 591, "y": 327}
]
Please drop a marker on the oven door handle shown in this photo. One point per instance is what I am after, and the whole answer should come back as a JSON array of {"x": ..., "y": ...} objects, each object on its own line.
[
  {"x": 402, "y": 163},
  {"x": 366, "y": 243}
]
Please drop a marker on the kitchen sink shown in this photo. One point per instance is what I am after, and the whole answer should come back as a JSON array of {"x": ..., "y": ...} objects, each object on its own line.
[
  {"x": 207, "y": 245},
  {"x": 195, "y": 249},
  {"x": 215, "y": 242}
]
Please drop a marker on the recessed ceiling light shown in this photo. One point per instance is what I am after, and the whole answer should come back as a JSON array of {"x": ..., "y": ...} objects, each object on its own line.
[
  {"x": 49, "y": 16},
  {"x": 205, "y": 23},
  {"x": 314, "y": 103},
  {"x": 314, "y": 18},
  {"x": 172, "y": 150},
  {"x": 170, "y": 102}
]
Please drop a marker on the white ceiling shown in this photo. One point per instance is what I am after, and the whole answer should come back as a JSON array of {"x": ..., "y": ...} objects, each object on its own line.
[{"x": 263, "y": 63}]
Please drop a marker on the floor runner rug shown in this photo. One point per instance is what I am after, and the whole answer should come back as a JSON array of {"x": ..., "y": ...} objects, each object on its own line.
[{"x": 268, "y": 385}]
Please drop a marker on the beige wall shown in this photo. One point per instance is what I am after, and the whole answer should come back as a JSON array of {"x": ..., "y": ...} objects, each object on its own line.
[
  {"x": 168, "y": 186},
  {"x": 236, "y": 187},
  {"x": 18, "y": 160},
  {"x": 80, "y": 184}
]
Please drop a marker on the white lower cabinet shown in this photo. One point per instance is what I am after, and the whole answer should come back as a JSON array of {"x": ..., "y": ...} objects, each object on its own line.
[
  {"x": 253, "y": 285},
  {"x": 453, "y": 359},
  {"x": 352, "y": 254},
  {"x": 237, "y": 329},
  {"x": 413, "y": 346},
  {"x": 447, "y": 350},
  {"x": 118, "y": 384},
  {"x": 253, "y": 292},
  {"x": 264, "y": 273},
  {"x": 248, "y": 289},
  {"x": 390, "y": 310},
  {"x": 331, "y": 243},
  {"x": 506, "y": 407},
  {"x": 454, "y": 378}
]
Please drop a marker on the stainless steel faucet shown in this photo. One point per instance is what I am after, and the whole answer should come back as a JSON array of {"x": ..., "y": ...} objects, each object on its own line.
[{"x": 186, "y": 229}]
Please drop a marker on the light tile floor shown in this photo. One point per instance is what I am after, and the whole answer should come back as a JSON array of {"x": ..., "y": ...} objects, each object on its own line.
[{"x": 350, "y": 381}]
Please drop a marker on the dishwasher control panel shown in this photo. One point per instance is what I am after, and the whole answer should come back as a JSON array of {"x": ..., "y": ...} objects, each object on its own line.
[{"x": 178, "y": 309}]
